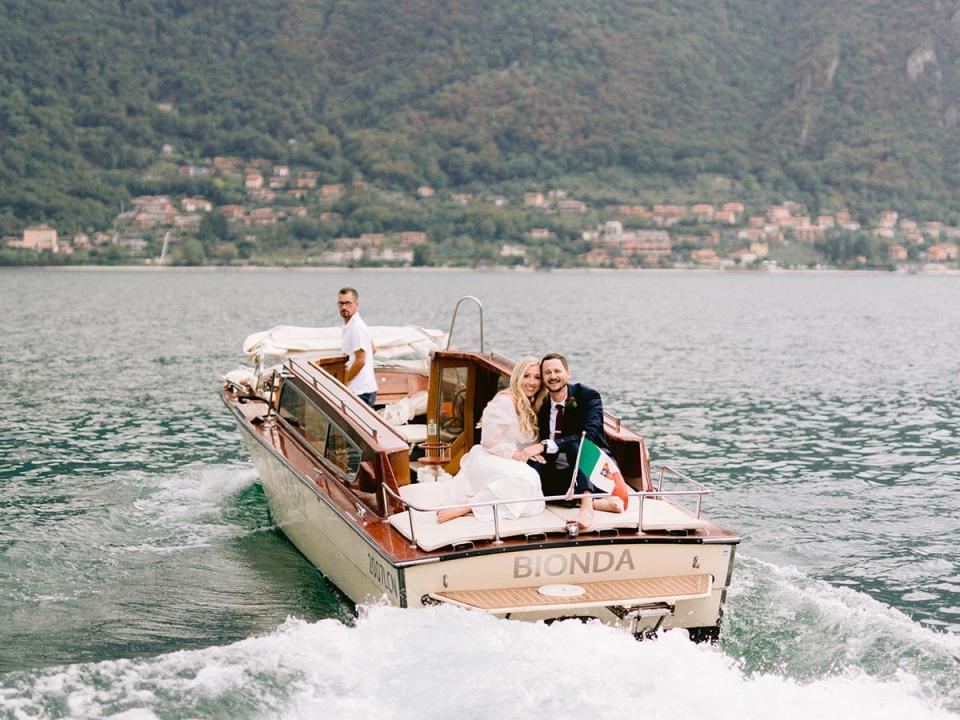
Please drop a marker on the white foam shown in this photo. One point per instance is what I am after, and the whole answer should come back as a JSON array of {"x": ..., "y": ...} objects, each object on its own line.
[{"x": 445, "y": 662}]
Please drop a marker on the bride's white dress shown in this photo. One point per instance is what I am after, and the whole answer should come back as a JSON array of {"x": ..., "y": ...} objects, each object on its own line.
[{"x": 488, "y": 472}]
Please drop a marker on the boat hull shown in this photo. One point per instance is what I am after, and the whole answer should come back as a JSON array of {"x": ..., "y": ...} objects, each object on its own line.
[
  {"x": 365, "y": 574},
  {"x": 318, "y": 529}
]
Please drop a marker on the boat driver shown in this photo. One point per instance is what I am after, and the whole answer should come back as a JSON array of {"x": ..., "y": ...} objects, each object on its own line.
[{"x": 358, "y": 348}]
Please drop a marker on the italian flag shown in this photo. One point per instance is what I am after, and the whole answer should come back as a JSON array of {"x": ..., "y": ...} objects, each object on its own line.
[{"x": 602, "y": 471}]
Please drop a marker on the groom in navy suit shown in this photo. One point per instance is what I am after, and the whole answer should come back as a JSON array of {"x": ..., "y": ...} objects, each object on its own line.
[{"x": 569, "y": 410}]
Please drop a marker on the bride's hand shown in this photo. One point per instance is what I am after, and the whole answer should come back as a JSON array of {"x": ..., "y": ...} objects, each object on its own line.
[{"x": 533, "y": 452}]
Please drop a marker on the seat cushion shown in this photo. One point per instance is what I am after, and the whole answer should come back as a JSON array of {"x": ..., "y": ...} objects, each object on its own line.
[{"x": 431, "y": 535}]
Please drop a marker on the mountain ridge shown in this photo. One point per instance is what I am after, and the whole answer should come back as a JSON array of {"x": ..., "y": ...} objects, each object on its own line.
[{"x": 856, "y": 106}]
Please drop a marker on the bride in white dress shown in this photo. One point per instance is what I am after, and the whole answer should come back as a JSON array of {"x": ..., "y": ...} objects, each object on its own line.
[{"x": 496, "y": 469}]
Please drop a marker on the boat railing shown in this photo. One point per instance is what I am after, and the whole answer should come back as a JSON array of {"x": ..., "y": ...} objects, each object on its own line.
[
  {"x": 701, "y": 490},
  {"x": 453, "y": 320},
  {"x": 638, "y": 495},
  {"x": 331, "y": 385}
]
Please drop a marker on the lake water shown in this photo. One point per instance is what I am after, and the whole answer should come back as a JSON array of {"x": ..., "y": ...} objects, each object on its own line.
[{"x": 140, "y": 576}]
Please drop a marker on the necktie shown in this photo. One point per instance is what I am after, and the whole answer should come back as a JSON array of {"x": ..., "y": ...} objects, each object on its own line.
[{"x": 559, "y": 423}]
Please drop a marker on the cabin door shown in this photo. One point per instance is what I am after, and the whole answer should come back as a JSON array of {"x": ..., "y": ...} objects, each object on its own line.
[{"x": 450, "y": 415}]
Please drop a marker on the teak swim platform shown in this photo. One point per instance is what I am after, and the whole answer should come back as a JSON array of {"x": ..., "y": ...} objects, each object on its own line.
[{"x": 357, "y": 490}]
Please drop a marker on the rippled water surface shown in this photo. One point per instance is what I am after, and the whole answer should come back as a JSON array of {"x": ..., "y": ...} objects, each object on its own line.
[{"x": 140, "y": 575}]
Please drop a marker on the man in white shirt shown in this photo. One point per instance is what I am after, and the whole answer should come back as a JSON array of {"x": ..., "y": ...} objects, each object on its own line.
[{"x": 358, "y": 348}]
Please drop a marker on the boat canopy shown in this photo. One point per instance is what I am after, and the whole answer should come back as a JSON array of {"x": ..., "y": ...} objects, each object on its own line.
[{"x": 391, "y": 343}]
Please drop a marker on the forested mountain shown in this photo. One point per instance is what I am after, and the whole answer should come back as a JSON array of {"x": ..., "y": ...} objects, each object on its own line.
[{"x": 832, "y": 103}]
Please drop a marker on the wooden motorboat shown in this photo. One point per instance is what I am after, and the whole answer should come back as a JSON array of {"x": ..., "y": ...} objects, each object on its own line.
[{"x": 358, "y": 496}]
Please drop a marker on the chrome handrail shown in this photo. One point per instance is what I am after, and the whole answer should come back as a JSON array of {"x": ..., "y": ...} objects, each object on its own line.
[
  {"x": 700, "y": 491},
  {"x": 453, "y": 320}
]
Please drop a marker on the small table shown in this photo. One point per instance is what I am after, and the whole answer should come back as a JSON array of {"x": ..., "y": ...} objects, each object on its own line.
[{"x": 437, "y": 455}]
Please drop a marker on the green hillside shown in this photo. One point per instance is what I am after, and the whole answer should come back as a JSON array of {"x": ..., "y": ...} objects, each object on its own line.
[{"x": 828, "y": 103}]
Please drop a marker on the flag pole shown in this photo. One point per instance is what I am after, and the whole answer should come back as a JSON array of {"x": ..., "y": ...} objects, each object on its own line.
[{"x": 576, "y": 465}]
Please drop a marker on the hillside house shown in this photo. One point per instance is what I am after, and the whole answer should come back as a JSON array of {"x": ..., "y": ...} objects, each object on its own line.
[
  {"x": 150, "y": 210},
  {"x": 667, "y": 215},
  {"x": 425, "y": 191},
  {"x": 778, "y": 214},
  {"x": 194, "y": 171},
  {"x": 706, "y": 256},
  {"x": 884, "y": 231},
  {"x": 192, "y": 205},
  {"x": 932, "y": 228},
  {"x": 329, "y": 217},
  {"x": 633, "y": 211},
  {"x": 734, "y": 207},
  {"x": 825, "y": 221},
  {"x": 253, "y": 181},
  {"x": 263, "y": 194},
  {"x": 226, "y": 165},
  {"x": 760, "y": 249},
  {"x": 612, "y": 229},
  {"x": 413, "y": 238},
  {"x": 190, "y": 223},
  {"x": 371, "y": 240},
  {"x": 539, "y": 233},
  {"x": 595, "y": 258},
  {"x": 888, "y": 219},
  {"x": 513, "y": 251},
  {"x": 534, "y": 199},
  {"x": 281, "y": 170},
  {"x": 399, "y": 254},
  {"x": 297, "y": 193},
  {"x": 757, "y": 221},
  {"x": 262, "y": 216},
  {"x": 331, "y": 191},
  {"x": 703, "y": 211},
  {"x": 301, "y": 211},
  {"x": 656, "y": 248},
  {"x": 808, "y": 233},
  {"x": 38, "y": 238},
  {"x": 897, "y": 253},
  {"x": 571, "y": 207},
  {"x": 341, "y": 257},
  {"x": 462, "y": 198},
  {"x": 941, "y": 252},
  {"x": 306, "y": 183},
  {"x": 233, "y": 212},
  {"x": 277, "y": 183},
  {"x": 726, "y": 217}
]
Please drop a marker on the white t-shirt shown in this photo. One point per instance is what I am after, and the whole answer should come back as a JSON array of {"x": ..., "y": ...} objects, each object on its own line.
[{"x": 357, "y": 337}]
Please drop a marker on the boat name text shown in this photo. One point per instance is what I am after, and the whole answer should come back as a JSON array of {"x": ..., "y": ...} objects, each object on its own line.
[
  {"x": 385, "y": 578},
  {"x": 596, "y": 561}
]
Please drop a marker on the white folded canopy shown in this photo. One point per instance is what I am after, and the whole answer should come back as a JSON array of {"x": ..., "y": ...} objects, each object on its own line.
[{"x": 390, "y": 342}]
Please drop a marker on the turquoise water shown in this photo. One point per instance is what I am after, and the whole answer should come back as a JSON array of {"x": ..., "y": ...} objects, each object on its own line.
[{"x": 140, "y": 576}]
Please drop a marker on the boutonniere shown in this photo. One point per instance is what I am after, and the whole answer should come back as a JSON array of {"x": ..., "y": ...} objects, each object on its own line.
[{"x": 571, "y": 402}]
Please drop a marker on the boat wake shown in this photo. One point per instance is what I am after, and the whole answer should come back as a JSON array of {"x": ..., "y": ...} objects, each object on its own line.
[{"x": 444, "y": 662}]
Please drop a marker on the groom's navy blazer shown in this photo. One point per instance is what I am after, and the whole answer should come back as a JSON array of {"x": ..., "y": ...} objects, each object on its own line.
[{"x": 583, "y": 411}]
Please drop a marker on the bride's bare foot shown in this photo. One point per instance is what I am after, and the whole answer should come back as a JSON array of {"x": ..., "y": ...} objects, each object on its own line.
[
  {"x": 451, "y": 513},
  {"x": 585, "y": 517},
  {"x": 610, "y": 504}
]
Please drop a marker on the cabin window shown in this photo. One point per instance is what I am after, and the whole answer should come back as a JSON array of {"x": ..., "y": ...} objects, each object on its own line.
[
  {"x": 316, "y": 428},
  {"x": 342, "y": 452},
  {"x": 453, "y": 395}
]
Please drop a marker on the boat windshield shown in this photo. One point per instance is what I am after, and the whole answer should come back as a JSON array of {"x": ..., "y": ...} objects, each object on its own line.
[{"x": 318, "y": 431}]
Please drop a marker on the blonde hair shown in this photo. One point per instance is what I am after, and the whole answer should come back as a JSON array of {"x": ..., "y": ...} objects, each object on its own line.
[{"x": 526, "y": 410}]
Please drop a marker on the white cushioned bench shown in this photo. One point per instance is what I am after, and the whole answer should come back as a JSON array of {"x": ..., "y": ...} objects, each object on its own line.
[{"x": 431, "y": 535}]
